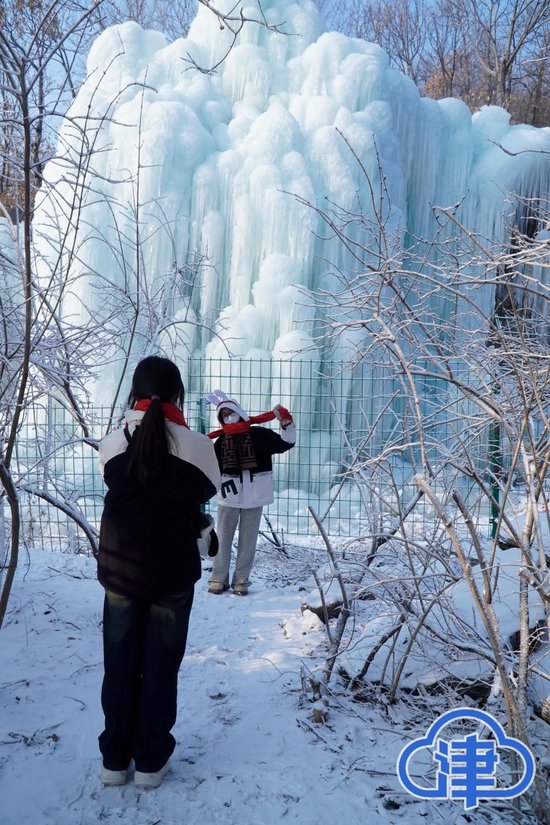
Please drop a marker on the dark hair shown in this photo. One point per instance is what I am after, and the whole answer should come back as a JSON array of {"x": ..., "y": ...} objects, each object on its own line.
[{"x": 160, "y": 380}]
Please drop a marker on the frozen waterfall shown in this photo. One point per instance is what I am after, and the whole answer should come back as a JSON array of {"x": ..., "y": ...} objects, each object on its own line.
[{"x": 196, "y": 193}]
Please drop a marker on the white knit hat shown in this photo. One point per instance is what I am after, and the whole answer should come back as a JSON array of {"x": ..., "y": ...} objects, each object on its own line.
[{"x": 220, "y": 400}]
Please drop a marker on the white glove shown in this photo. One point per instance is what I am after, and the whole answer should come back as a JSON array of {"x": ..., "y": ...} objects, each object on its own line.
[{"x": 207, "y": 541}]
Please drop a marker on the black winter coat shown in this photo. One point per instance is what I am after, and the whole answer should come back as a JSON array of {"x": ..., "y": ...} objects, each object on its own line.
[
  {"x": 255, "y": 488},
  {"x": 148, "y": 535}
]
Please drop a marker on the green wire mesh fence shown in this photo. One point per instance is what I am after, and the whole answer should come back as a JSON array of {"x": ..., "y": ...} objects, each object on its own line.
[{"x": 360, "y": 441}]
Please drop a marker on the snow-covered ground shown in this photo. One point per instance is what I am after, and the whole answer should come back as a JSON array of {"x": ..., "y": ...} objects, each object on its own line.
[{"x": 248, "y": 751}]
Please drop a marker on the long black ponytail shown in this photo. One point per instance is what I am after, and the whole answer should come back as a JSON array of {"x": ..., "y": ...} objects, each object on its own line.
[{"x": 159, "y": 380}]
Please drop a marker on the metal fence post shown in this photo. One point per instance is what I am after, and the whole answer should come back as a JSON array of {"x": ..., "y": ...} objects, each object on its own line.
[
  {"x": 202, "y": 414},
  {"x": 495, "y": 469}
]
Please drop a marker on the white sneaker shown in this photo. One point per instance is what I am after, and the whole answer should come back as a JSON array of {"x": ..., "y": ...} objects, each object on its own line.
[
  {"x": 113, "y": 777},
  {"x": 150, "y": 780}
]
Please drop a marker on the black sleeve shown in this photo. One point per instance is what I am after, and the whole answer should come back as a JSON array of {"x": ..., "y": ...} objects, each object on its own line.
[
  {"x": 275, "y": 443},
  {"x": 218, "y": 449},
  {"x": 202, "y": 487}
]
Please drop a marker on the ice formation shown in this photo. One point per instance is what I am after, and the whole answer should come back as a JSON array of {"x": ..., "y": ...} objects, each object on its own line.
[{"x": 213, "y": 176}]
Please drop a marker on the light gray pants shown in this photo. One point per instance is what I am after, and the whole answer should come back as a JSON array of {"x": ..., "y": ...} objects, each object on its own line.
[{"x": 249, "y": 527}]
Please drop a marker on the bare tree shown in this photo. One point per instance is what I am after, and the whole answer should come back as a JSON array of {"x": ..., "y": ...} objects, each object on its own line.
[
  {"x": 172, "y": 19},
  {"x": 448, "y": 65},
  {"x": 502, "y": 31},
  {"x": 29, "y": 331},
  {"x": 458, "y": 328},
  {"x": 530, "y": 94},
  {"x": 399, "y": 27},
  {"x": 489, "y": 52},
  {"x": 40, "y": 69}
]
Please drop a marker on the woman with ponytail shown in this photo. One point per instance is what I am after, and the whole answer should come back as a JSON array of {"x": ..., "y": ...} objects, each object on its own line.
[{"x": 158, "y": 473}]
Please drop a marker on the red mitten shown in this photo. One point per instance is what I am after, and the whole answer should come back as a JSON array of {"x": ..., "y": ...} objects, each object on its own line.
[{"x": 282, "y": 415}]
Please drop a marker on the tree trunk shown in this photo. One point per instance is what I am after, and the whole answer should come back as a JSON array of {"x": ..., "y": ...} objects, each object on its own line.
[{"x": 13, "y": 500}]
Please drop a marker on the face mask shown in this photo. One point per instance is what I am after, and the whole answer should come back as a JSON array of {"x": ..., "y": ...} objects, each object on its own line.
[{"x": 232, "y": 418}]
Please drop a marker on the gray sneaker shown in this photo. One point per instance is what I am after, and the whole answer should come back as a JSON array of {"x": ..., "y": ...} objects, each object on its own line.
[
  {"x": 217, "y": 587},
  {"x": 150, "y": 780}
]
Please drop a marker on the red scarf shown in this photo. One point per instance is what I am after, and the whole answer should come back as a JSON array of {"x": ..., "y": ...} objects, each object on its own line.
[
  {"x": 171, "y": 412},
  {"x": 242, "y": 426}
]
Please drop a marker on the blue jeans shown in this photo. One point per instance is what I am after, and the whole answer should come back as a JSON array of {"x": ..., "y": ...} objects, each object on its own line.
[{"x": 143, "y": 646}]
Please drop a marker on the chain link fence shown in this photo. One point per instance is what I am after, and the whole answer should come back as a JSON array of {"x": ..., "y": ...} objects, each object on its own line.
[{"x": 359, "y": 442}]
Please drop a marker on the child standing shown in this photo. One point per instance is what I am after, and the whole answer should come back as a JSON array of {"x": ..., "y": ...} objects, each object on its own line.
[{"x": 244, "y": 455}]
